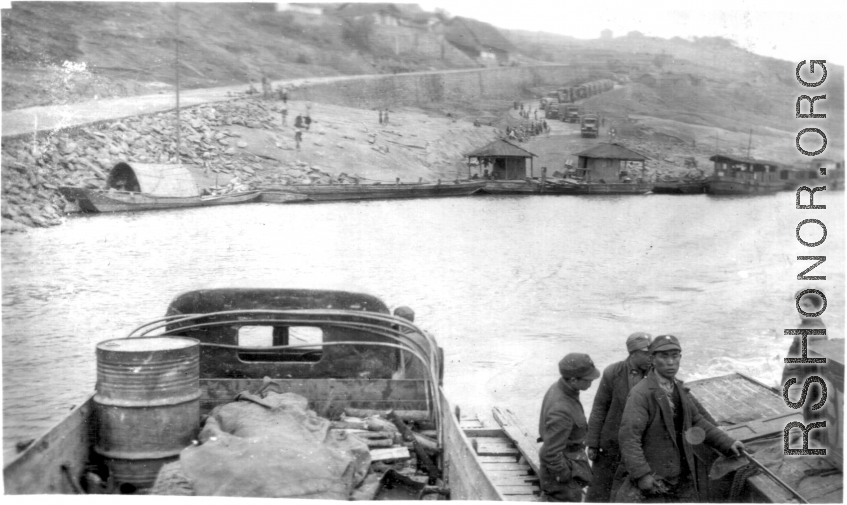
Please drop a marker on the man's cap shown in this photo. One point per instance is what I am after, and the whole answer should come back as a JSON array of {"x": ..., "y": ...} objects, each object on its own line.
[
  {"x": 638, "y": 341},
  {"x": 405, "y": 313},
  {"x": 579, "y": 365},
  {"x": 664, "y": 343}
]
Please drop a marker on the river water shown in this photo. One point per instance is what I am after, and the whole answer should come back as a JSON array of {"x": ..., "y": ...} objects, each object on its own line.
[{"x": 508, "y": 285}]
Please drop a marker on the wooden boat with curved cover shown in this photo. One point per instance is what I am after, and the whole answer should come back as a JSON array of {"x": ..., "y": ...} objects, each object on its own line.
[{"x": 149, "y": 186}]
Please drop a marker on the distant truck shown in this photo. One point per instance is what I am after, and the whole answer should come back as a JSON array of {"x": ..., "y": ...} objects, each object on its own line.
[
  {"x": 552, "y": 111},
  {"x": 590, "y": 125},
  {"x": 571, "y": 113}
]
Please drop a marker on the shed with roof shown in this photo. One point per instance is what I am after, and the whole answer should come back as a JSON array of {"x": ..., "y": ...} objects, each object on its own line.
[
  {"x": 610, "y": 163},
  {"x": 503, "y": 160},
  {"x": 154, "y": 179}
]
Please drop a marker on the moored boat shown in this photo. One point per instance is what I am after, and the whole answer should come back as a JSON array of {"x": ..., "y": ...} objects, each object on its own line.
[
  {"x": 333, "y": 192},
  {"x": 820, "y": 172},
  {"x": 143, "y": 186},
  {"x": 265, "y": 350},
  {"x": 96, "y": 200},
  {"x": 601, "y": 188},
  {"x": 735, "y": 175}
]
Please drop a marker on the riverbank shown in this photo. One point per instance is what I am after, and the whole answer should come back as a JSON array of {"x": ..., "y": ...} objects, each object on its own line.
[{"x": 243, "y": 138}]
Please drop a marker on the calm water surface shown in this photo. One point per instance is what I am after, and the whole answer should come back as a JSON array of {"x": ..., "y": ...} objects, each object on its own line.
[{"x": 507, "y": 285}]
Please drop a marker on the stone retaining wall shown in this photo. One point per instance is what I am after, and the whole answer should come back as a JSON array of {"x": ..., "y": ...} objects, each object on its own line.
[
  {"x": 400, "y": 41},
  {"x": 420, "y": 89}
]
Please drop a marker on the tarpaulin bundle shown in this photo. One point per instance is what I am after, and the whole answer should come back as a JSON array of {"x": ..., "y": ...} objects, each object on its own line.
[{"x": 282, "y": 450}]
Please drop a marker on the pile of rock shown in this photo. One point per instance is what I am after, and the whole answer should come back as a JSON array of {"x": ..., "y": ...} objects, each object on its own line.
[
  {"x": 33, "y": 168},
  {"x": 299, "y": 172}
]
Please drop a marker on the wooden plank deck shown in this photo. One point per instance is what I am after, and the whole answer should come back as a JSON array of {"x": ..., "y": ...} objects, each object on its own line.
[{"x": 502, "y": 461}]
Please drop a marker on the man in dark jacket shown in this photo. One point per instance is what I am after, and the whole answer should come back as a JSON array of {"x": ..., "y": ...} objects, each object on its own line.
[
  {"x": 564, "y": 464},
  {"x": 605, "y": 421},
  {"x": 660, "y": 422}
]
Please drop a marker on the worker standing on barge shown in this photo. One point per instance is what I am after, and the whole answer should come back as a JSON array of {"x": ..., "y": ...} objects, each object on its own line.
[
  {"x": 605, "y": 421},
  {"x": 659, "y": 425},
  {"x": 562, "y": 427}
]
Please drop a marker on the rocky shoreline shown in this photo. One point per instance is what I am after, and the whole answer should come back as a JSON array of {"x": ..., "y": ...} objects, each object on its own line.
[{"x": 212, "y": 146}]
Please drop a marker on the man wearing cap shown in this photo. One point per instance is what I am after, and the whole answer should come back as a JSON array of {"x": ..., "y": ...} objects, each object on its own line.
[
  {"x": 563, "y": 427},
  {"x": 660, "y": 423},
  {"x": 410, "y": 367},
  {"x": 605, "y": 421}
]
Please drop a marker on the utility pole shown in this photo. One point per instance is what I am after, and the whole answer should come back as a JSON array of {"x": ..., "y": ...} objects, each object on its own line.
[{"x": 178, "y": 140}]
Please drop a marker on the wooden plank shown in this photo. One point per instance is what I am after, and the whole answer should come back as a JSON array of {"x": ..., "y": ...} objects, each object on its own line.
[
  {"x": 494, "y": 447},
  {"x": 513, "y": 490},
  {"x": 484, "y": 432},
  {"x": 398, "y": 453},
  {"x": 497, "y": 459},
  {"x": 468, "y": 480},
  {"x": 504, "y": 466},
  {"x": 519, "y": 434},
  {"x": 518, "y": 480},
  {"x": 524, "y": 497},
  {"x": 525, "y": 473},
  {"x": 38, "y": 469}
]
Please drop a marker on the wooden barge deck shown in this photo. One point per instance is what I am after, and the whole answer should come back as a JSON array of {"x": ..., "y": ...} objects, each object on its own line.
[{"x": 507, "y": 454}]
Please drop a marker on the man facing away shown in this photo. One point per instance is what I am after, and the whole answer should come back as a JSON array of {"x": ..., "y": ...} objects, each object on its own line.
[
  {"x": 410, "y": 367},
  {"x": 563, "y": 427},
  {"x": 660, "y": 422},
  {"x": 605, "y": 421}
]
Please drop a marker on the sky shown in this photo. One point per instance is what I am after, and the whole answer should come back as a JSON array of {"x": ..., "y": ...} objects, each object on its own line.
[{"x": 782, "y": 29}]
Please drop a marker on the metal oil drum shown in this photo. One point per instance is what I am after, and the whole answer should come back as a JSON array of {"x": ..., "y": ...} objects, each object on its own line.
[{"x": 148, "y": 404}]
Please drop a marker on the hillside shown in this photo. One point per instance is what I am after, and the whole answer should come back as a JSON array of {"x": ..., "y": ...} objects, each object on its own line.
[
  {"x": 129, "y": 48},
  {"x": 706, "y": 82}
]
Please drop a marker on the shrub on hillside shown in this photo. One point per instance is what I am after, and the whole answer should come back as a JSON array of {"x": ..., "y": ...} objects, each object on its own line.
[{"x": 357, "y": 33}]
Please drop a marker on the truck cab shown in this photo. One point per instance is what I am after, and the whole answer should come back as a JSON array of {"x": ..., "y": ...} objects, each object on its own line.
[{"x": 590, "y": 125}]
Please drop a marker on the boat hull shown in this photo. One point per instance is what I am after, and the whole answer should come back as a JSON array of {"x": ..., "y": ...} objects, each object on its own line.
[
  {"x": 727, "y": 187},
  {"x": 335, "y": 192},
  {"x": 93, "y": 200},
  {"x": 679, "y": 188},
  {"x": 282, "y": 197},
  {"x": 553, "y": 188},
  {"x": 601, "y": 189},
  {"x": 511, "y": 188}
]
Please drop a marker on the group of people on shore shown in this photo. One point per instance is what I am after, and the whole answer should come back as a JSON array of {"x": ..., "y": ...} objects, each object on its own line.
[{"x": 524, "y": 130}]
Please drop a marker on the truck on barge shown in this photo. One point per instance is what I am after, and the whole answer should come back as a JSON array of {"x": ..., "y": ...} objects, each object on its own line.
[{"x": 341, "y": 353}]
